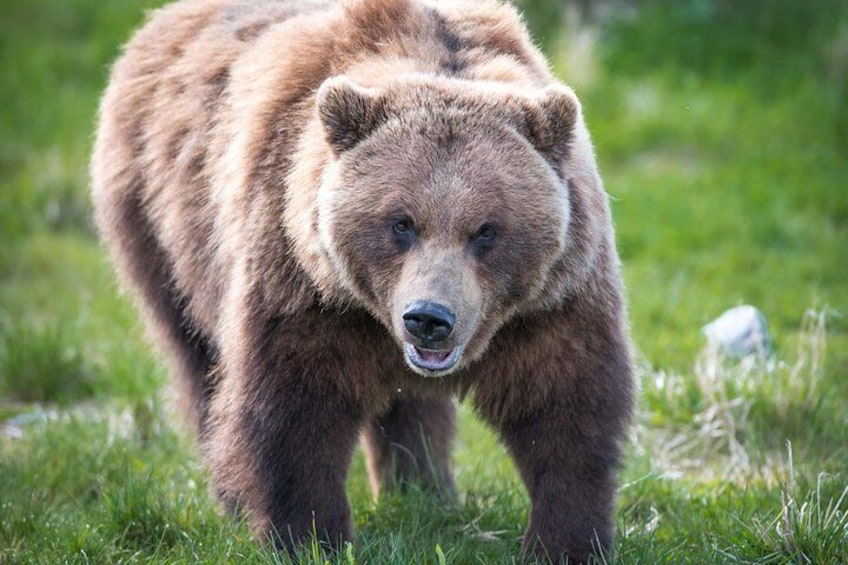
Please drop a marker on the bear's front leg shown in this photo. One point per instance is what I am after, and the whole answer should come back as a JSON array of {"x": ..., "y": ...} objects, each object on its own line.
[
  {"x": 283, "y": 432},
  {"x": 569, "y": 472},
  {"x": 563, "y": 414}
]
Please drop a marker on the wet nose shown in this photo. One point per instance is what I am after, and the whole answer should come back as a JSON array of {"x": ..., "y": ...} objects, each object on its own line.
[{"x": 429, "y": 321}]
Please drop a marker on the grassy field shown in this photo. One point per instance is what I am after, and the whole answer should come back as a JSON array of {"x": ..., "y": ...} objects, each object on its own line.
[{"x": 722, "y": 133}]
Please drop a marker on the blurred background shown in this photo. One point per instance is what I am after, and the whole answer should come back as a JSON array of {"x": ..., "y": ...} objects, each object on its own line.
[{"x": 721, "y": 129}]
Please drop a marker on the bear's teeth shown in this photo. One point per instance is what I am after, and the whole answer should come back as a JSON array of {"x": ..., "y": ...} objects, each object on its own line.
[
  {"x": 432, "y": 355},
  {"x": 434, "y": 362}
]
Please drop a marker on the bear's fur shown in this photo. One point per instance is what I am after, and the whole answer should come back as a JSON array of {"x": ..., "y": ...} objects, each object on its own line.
[{"x": 280, "y": 181}]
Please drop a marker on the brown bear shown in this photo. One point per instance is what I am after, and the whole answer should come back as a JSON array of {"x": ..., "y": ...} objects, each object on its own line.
[{"x": 337, "y": 216}]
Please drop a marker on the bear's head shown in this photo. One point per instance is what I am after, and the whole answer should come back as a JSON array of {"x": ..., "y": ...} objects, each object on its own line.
[{"x": 444, "y": 207}]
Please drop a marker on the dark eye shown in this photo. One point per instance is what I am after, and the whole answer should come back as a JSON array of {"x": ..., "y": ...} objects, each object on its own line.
[
  {"x": 487, "y": 232},
  {"x": 484, "y": 240},
  {"x": 402, "y": 226},
  {"x": 403, "y": 233}
]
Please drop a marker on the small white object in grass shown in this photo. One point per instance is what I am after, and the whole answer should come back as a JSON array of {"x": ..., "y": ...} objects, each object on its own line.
[
  {"x": 12, "y": 431},
  {"x": 739, "y": 332}
]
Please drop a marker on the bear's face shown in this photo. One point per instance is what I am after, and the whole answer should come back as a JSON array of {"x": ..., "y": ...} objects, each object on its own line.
[{"x": 440, "y": 213}]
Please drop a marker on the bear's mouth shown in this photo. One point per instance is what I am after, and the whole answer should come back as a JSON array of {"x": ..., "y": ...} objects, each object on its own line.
[{"x": 434, "y": 362}]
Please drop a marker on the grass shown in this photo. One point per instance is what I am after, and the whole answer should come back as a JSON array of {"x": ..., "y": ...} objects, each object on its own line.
[{"x": 722, "y": 136}]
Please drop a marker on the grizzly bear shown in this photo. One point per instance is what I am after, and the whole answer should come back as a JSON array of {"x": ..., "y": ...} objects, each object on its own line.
[{"x": 335, "y": 217}]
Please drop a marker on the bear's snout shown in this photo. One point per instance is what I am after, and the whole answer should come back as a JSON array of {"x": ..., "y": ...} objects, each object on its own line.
[
  {"x": 429, "y": 321},
  {"x": 429, "y": 345}
]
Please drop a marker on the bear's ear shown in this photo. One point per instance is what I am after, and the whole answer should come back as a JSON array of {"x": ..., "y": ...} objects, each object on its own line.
[
  {"x": 551, "y": 119},
  {"x": 349, "y": 112}
]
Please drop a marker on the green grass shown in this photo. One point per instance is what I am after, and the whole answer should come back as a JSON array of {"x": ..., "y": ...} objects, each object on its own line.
[{"x": 721, "y": 129}]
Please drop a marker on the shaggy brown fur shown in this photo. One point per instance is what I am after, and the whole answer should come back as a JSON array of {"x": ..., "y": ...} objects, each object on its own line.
[{"x": 280, "y": 182}]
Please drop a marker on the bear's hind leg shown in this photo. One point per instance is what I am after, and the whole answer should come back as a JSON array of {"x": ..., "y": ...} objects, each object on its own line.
[
  {"x": 412, "y": 442},
  {"x": 144, "y": 267}
]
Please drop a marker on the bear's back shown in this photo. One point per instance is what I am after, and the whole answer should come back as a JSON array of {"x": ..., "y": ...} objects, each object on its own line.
[{"x": 155, "y": 148}]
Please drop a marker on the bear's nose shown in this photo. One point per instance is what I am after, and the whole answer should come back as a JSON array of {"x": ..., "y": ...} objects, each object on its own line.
[{"x": 429, "y": 321}]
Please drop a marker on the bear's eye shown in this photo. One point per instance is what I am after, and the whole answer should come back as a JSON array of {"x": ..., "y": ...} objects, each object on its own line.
[
  {"x": 403, "y": 233},
  {"x": 483, "y": 240},
  {"x": 402, "y": 226},
  {"x": 487, "y": 232}
]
